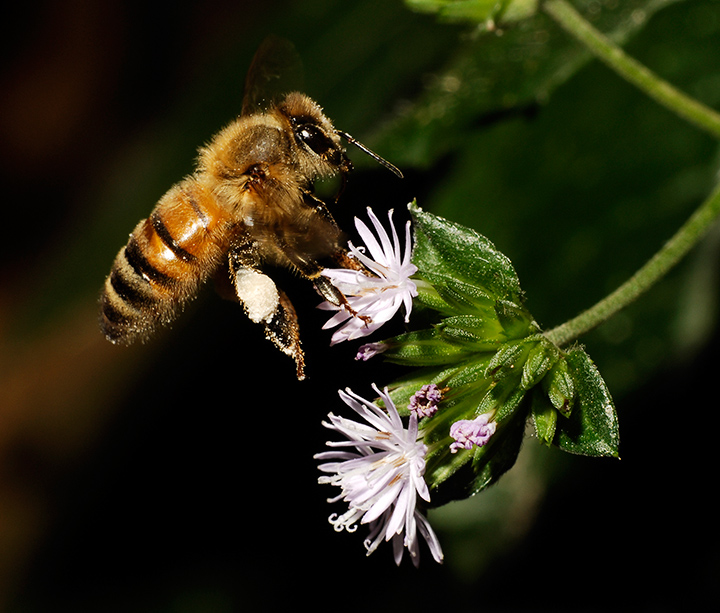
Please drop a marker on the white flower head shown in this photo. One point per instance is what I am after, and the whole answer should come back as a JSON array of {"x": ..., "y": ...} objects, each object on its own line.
[
  {"x": 373, "y": 300},
  {"x": 379, "y": 470}
]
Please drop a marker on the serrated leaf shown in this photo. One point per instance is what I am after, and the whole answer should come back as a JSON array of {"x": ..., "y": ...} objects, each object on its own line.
[
  {"x": 592, "y": 427},
  {"x": 452, "y": 252}
]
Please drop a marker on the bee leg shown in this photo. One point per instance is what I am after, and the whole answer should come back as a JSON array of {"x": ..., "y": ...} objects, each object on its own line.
[
  {"x": 313, "y": 271},
  {"x": 283, "y": 330},
  {"x": 319, "y": 205},
  {"x": 334, "y": 296},
  {"x": 264, "y": 303}
]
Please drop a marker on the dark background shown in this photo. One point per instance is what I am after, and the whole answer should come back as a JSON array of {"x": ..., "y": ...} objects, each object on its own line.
[{"x": 178, "y": 476}]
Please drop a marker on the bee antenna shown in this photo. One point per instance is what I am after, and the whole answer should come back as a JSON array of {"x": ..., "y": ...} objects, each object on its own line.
[{"x": 371, "y": 153}]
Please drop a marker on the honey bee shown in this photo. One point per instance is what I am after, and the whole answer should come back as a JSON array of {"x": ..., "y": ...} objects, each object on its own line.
[{"x": 249, "y": 204}]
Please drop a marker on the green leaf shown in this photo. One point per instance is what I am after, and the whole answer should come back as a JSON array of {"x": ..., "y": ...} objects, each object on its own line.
[
  {"x": 457, "y": 10},
  {"x": 488, "y": 75},
  {"x": 592, "y": 428},
  {"x": 475, "y": 11},
  {"x": 450, "y": 252},
  {"x": 544, "y": 416}
]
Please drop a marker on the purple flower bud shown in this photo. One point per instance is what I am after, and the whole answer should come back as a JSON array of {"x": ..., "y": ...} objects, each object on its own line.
[
  {"x": 370, "y": 350},
  {"x": 469, "y": 432},
  {"x": 424, "y": 402}
]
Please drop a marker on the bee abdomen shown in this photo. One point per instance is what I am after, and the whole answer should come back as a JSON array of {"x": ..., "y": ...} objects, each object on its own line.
[{"x": 166, "y": 258}]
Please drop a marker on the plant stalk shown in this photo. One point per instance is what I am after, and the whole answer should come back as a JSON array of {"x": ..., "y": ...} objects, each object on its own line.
[
  {"x": 632, "y": 70},
  {"x": 694, "y": 229},
  {"x": 654, "y": 269}
]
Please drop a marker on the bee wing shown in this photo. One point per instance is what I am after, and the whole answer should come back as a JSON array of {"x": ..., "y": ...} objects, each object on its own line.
[{"x": 276, "y": 69}]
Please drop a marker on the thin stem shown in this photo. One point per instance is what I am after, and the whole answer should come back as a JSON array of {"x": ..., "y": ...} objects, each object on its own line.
[
  {"x": 669, "y": 255},
  {"x": 631, "y": 70},
  {"x": 691, "y": 232}
]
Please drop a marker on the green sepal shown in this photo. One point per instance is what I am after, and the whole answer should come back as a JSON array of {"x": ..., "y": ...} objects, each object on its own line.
[
  {"x": 514, "y": 319},
  {"x": 425, "y": 348},
  {"x": 428, "y": 296},
  {"x": 479, "y": 334},
  {"x": 592, "y": 427},
  {"x": 508, "y": 360},
  {"x": 545, "y": 417},
  {"x": 503, "y": 398},
  {"x": 541, "y": 358},
  {"x": 457, "y": 297},
  {"x": 559, "y": 386}
]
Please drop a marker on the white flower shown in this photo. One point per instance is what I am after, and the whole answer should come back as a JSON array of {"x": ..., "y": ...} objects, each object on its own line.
[
  {"x": 375, "y": 297},
  {"x": 379, "y": 469}
]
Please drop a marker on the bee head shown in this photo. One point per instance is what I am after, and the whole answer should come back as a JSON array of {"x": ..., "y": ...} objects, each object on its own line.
[{"x": 319, "y": 139}]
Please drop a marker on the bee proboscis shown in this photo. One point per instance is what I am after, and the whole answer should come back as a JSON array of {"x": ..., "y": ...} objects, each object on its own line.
[{"x": 249, "y": 204}]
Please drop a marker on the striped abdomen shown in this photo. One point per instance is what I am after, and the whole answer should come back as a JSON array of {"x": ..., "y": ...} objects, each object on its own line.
[{"x": 166, "y": 259}]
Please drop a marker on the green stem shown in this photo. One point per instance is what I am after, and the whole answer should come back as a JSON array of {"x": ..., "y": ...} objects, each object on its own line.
[
  {"x": 691, "y": 232},
  {"x": 669, "y": 255},
  {"x": 630, "y": 69}
]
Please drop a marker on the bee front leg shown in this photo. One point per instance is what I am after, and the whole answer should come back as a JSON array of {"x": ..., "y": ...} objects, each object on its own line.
[
  {"x": 311, "y": 270},
  {"x": 334, "y": 296},
  {"x": 264, "y": 303}
]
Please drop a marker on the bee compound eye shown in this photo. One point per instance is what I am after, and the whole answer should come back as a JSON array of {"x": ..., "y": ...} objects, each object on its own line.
[{"x": 314, "y": 138}]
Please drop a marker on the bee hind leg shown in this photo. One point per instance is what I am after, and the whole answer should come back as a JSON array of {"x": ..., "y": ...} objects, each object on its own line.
[
  {"x": 265, "y": 304},
  {"x": 283, "y": 330}
]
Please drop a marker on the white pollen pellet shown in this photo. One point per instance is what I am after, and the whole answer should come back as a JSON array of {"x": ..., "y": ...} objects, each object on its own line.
[{"x": 258, "y": 294}]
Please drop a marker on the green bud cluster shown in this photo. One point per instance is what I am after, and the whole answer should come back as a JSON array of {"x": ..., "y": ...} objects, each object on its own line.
[{"x": 488, "y": 355}]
